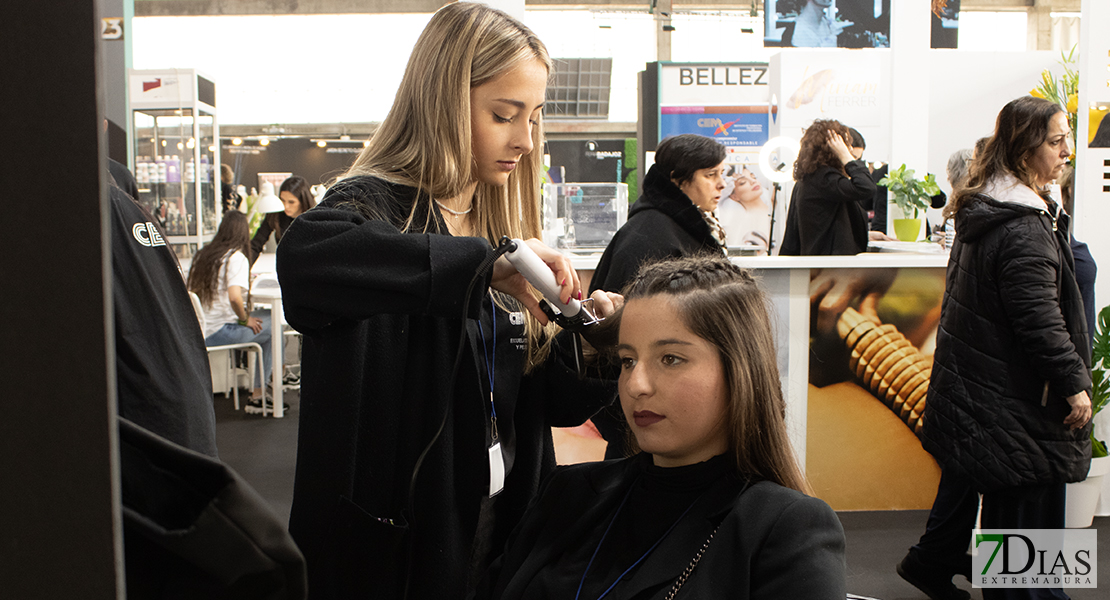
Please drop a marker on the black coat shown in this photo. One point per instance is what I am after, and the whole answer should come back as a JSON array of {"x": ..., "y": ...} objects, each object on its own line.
[
  {"x": 772, "y": 542},
  {"x": 826, "y": 215},
  {"x": 381, "y": 314},
  {"x": 1012, "y": 346},
  {"x": 663, "y": 223}
]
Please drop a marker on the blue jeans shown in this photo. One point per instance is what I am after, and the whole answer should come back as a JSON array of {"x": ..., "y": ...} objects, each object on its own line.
[{"x": 234, "y": 333}]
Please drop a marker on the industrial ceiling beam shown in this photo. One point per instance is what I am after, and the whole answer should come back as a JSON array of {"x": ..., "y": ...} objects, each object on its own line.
[{"x": 172, "y": 8}]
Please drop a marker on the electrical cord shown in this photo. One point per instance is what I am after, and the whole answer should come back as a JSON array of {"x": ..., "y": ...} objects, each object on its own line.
[{"x": 484, "y": 266}]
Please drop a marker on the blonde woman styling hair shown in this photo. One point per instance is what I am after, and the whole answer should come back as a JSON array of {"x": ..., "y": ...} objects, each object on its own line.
[{"x": 409, "y": 478}]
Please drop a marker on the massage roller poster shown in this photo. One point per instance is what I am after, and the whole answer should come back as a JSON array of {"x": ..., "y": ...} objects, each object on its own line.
[{"x": 872, "y": 338}]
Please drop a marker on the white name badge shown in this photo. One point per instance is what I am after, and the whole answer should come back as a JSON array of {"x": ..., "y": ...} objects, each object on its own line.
[{"x": 496, "y": 470}]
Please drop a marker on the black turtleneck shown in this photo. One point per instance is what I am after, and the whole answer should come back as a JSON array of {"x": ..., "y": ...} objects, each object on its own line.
[{"x": 655, "y": 503}]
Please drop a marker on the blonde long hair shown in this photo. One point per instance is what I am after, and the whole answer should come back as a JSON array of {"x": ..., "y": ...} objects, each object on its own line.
[{"x": 425, "y": 140}]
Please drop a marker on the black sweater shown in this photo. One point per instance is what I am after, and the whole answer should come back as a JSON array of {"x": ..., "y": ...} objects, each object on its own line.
[
  {"x": 381, "y": 311},
  {"x": 826, "y": 214}
]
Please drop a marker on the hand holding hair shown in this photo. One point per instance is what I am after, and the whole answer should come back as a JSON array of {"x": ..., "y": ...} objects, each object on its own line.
[{"x": 837, "y": 144}]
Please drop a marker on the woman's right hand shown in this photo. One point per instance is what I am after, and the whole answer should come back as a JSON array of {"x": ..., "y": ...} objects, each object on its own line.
[
  {"x": 1080, "y": 410},
  {"x": 840, "y": 148},
  {"x": 508, "y": 280}
]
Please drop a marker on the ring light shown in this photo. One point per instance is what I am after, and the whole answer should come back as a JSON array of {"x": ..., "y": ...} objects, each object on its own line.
[{"x": 781, "y": 151}]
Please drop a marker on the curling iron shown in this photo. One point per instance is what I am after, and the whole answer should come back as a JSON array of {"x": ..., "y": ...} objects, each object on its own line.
[{"x": 574, "y": 316}]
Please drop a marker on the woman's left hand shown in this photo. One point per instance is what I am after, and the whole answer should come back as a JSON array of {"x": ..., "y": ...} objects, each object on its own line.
[
  {"x": 606, "y": 303},
  {"x": 1080, "y": 410}
]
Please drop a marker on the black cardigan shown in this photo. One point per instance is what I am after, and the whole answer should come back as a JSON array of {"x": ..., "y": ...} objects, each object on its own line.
[
  {"x": 771, "y": 542},
  {"x": 826, "y": 214},
  {"x": 1012, "y": 346},
  {"x": 381, "y": 311},
  {"x": 663, "y": 223}
]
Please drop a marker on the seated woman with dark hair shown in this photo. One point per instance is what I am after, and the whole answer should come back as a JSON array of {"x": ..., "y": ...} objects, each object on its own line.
[
  {"x": 674, "y": 214},
  {"x": 826, "y": 215},
  {"x": 714, "y": 505}
]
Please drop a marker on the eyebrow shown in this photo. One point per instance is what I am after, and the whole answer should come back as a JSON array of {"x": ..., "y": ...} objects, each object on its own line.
[
  {"x": 517, "y": 103},
  {"x": 658, "y": 343}
]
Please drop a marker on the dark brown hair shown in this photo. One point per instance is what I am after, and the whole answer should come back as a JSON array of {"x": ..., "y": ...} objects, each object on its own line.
[
  {"x": 1021, "y": 127},
  {"x": 722, "y": 304},
  {"x": 297, "y": 186},
  {"x": 233, "y": 234},
  {"x": 815, "y": 151}
]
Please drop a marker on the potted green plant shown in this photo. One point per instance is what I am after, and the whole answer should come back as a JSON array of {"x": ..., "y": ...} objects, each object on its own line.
[
  {"x": 910, "y": 195},
  {"x": 1082, "y": 497}
]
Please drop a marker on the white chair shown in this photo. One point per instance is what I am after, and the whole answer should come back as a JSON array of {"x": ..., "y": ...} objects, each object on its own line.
[{"x": 231, "y": 378}]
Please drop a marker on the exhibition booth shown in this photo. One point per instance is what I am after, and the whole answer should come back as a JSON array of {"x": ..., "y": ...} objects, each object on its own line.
[{"x": 854, "y": 398}]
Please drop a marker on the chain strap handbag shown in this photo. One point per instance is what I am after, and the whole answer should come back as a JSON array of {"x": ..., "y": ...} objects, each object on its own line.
[{"x": 690, "y": 568}]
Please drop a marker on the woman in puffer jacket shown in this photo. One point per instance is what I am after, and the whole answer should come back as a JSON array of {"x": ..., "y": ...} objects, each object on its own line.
[{"x": 1008, "y": 412}]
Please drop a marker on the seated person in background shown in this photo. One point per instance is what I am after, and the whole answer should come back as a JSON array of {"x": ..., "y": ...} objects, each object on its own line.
[
  {"x": 220, "y": 277},
  {"x": 826, "y": 214},
  {"x": 744, "y": 213},
  {"x": 296, "y": 195},
  {"x": 715, "y": 502},
  {"x": 674, "y": 214}
]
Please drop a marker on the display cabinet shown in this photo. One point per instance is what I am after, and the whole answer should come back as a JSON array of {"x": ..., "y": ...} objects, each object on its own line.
[{"x": 176, "y": 154}]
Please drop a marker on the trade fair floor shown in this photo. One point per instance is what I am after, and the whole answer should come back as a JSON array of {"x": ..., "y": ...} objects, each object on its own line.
[{"x": 263, "y": 450}]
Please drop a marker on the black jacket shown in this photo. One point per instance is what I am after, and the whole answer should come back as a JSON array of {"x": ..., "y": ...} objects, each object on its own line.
[
  {"x": 381, "y": 314},
  {"x": 826, "y": 215},
  {"x": 1012, "y": 346},
  {"x": 274, "y": 223},
  {"x": 772, "y": 542},
  {"x": 663, "y": 223},
  {"x": 162, "y": 379}
]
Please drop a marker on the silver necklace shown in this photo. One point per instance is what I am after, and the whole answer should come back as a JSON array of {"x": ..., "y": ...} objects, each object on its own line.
[{"x": 456, "y": 213}]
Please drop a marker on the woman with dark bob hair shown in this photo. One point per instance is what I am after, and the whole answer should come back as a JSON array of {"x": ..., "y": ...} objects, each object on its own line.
[
  {"x": 714, "y": 504},
  {"x": 1008, "y": 409},
  {"x": 674, "y": 216},
  {"x": 296, "y": 195},
  {"x": 826, "y": 215}
]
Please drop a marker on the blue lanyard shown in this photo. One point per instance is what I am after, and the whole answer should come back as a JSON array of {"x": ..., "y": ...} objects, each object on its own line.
[
  {"x": 491, "y": 361},
  {"x": 638, "y": 561}
]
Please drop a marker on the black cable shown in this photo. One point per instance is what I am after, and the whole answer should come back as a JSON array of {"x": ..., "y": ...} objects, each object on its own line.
[{"x": 478, "y": 274}]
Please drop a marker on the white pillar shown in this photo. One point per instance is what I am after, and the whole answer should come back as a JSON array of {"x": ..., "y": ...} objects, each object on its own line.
[
  {"x": 909, "y": 66},
  {"x": 662, "y": 33},
  {"x": 1092, "y": 201}
]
